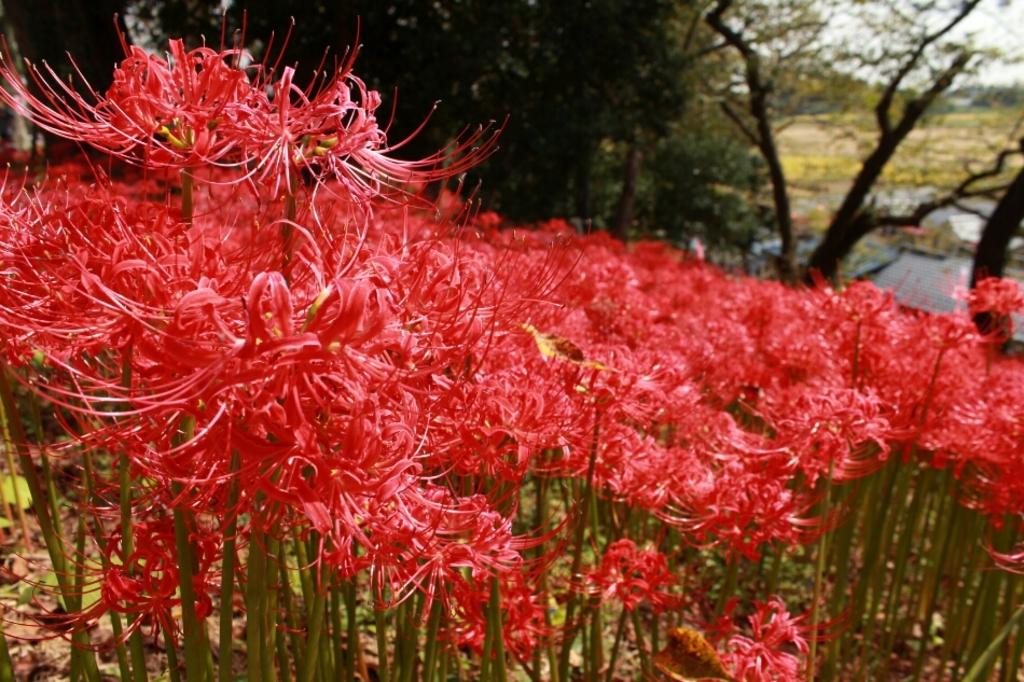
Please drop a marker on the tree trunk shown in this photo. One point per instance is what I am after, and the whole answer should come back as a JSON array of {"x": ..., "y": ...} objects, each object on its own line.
[
  {"x": 624, "y": 216},
  {"x": 763, "y": 137},
  {"x": 583, "y": 193},
  {"x": 851, "y": 221},
  {"x": 990, "y": 257},
  {"x": 787, "y": 265},
  {"x": 50, "y": 30}
]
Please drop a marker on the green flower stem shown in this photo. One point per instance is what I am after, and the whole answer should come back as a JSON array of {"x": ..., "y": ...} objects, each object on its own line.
[
  {"x": 268, "y": 607},
  {"x": 907, "y": 535},
  {"x": 340, "y": 661},
  {"x": 978, "y": 671},
  {"x": 494, "y": 625},
  {"x": 892, "y": 508},
  {"x": 227, "y": 577},
  {"x": 408, "y": 636},
  {"x": 19, "y": 503},
  {"x": 194, "y": 650},
  {"x": 283, "y": 595},
  {"x": 772, "y": 586},
  {"x": 442, "y": 672},
  {"x": 52, "y": 534},
  {"x": 1014, "y": 650},
  {"x": 619, "y": 630},
  {"x": 115, "y": 618},
  {"x": 732, "y": 569},
  {"x": 173, "y": 672},
  {"x": 254, "y": 599},
  {"x": 959, "y": 597},
  {"x": 380, "y": 616},
  {"x": 135, "y": 643},
  {"x": 869, "y": 538},
  {"x": 315, "y": 626},
  {"x": 430, "y": 655},
  {"x": 819, "y": 573},
  {"x": 596, "y": 658},
  {"x": 645, "y": 664},
  {"x": 352, "y": 641},
  {"x": 6, "y": 664},
  {"x": 931, "y": 582},
  {"x": 582, "y": 507},
  {"x": 295, "y": 640}
]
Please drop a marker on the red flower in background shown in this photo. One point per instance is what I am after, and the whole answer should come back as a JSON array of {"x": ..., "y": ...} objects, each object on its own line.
[
  {"x": 767, "y": 655},
  {"x": 630, "y": 576}
]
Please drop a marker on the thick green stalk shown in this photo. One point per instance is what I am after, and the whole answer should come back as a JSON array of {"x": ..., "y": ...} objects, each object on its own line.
[
  {"x": 337, "y": 648},
  {"x": 380, "y": 616},
  {"x": 352, "y": 640},
  {"x": 596, "y": 658},
  {"x": 732, "y": 571},
  {"x": 494, "y": 623},
  {"x": 6, "y": 664},
  {"x": 977, "y": 671},
  {"x": 101, "y": 541},
  {"x": 315, "y": 627},
  {"x": 615, "y": 645},
  {"x": 959, "y": 599},
  {"x": 52, "y": 534},
  {"x": 645, "y": 664},
  {"x": 227, "y": 577},
  {"x": 1012, "y": 650},
  {"x": 173, "y": 671},
  {"x": 194, "y": 650},
  {"x": 280, "y": 640},
  {"x": 19, "y": 503},
  {"x": 135, "y": 643},
  {"x": 433, "y": 628},
  {"x": 907, "y": 535},
  {"x": 295, "y": 640},
  {"x": 870, "y": 540},
  {"x": 442, "y": 672},
  {"x": 582, "y": 507},
  {"x": 931, "y": 582},
  {"x": 268, "y": 608},
  {"x": 254, "y": 599},
  {"x": 819, "y": 573}
]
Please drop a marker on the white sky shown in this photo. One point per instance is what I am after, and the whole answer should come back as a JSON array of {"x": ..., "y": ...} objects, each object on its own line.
[{"x": 996, "y": 23}]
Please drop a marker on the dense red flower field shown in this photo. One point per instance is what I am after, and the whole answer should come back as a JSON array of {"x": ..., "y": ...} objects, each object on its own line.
[{"x": 290, "y": 379}]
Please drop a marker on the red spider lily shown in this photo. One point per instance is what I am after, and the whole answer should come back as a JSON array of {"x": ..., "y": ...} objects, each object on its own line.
[
  {"x": 628, "y": 576},
  {"x": 522, "y": 605},
  {"x": 766, "y": 655},
  {"x": 200, "y": 108},
  {"x": 993, "y": 301},
  {"x": 839, "y": 426},
  {"x": 997, "y": 296}
]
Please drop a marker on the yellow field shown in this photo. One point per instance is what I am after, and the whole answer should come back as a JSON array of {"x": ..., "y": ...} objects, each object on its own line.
[{"x": 823, "y": 154}]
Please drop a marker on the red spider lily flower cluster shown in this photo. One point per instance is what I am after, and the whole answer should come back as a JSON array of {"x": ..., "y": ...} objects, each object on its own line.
[
  {"x": 206, "y": 107},
  {"x": 772, "y": 651},
  {"x": 630, "y": 577}
]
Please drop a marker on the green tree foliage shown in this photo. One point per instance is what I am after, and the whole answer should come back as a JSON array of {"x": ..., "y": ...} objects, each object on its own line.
[{"x": 701, "y": 183}]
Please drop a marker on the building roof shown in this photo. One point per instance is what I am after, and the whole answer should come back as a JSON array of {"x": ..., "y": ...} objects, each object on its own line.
[{"x": 931, "y": 284}]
